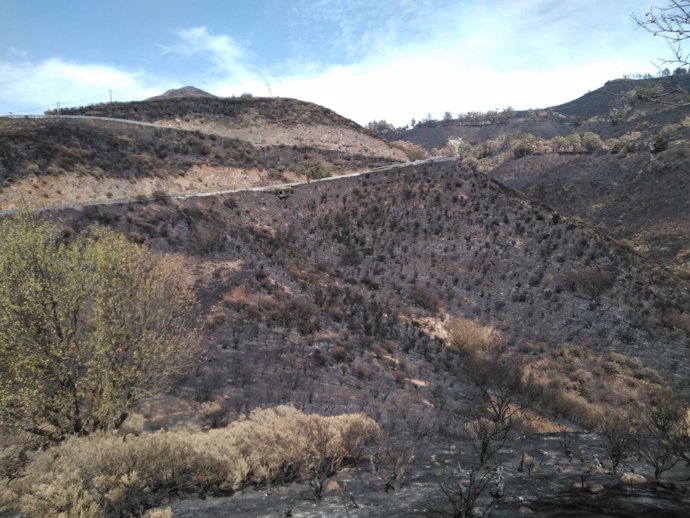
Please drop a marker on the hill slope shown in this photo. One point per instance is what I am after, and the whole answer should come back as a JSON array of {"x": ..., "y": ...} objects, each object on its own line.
[
  {"x": 337, "y": 298},
  {"x": 618, "y": 108},
  {"x": 266, "y": 121},
  {"x": 351, "y": 264},
  {"x": 49, "y": 162},
  {"x": 615, "y": 157},
  {"x": 641, "y": 197}
]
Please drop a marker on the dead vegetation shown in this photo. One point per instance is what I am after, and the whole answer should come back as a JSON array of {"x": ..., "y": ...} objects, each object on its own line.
[{"x": 111, "y": 475}]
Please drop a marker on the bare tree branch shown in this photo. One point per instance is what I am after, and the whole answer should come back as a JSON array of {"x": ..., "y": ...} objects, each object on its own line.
[{"x": 671, "y": 22}]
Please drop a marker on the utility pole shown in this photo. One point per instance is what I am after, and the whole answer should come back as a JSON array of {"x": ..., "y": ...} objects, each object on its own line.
[
  {"x": 111, "y": 95},
  {"x": 58, "y": 109}
]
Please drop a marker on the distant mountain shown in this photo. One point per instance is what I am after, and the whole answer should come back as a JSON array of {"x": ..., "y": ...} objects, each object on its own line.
[
  {"x": 619, "y": 107},
  {"x": 185, "y": 91}
]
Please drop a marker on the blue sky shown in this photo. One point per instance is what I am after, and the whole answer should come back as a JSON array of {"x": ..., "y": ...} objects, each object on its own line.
[{"x": 365, "y": 59}]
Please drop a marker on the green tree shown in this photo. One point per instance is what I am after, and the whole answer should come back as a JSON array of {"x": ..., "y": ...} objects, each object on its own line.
[
  {"x": 87, "y": 327},
  {"x": 592, "y": 142},
  {"x": 574, "y": 142}
]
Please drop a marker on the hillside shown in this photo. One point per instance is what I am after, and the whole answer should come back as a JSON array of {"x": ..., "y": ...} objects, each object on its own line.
[
  {"x": 618, "y": 108},
  {"x": 263, "y": 120},
  {"x": 338, "y": 297},
  {"x": 485, "y": 339},
  {"x": 437, "y": 241},
  {"x": 48, "y": 162},
  {"x": 640, "y": 198},
  {"x": 615, "y": 157}
]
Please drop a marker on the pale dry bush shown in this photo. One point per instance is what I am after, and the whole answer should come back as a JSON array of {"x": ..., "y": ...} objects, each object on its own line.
[
  {"x": 107, "y": 475},
  {"x": 134, "y": 424},
  {"x": 159, "y": 512},
  {"x": 212, "y": 414},
  {"x": 470, "y": 163},
  {"x": 276, "y": 444},
  {"x": 468, "y": 336},
  {"x": 413, "y": 151},
  {"x": 239, "y": 296}
]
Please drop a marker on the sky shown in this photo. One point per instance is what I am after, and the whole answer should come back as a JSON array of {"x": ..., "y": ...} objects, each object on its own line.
[{"x": 366, "y": 59}]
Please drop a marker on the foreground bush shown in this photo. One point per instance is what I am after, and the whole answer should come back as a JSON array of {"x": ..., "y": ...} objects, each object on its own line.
[
  {"x": 88, "y": 326},
  {"x": 108, "y": 475}
]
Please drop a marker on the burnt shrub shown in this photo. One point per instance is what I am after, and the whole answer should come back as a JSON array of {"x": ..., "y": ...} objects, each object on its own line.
[{"x": 426, "y": 298}]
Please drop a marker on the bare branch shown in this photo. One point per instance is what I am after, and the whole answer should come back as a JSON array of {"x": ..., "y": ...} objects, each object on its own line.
[{"x": 671, "y": 22}]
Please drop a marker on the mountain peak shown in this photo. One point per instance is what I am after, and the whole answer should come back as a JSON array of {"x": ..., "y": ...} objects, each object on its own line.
[{"x": 185, "y": 91}]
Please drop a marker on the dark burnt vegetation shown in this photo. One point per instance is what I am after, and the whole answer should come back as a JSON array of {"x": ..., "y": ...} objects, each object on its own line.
[
  {"x": 346, "y": 279},
  {"x": 463, "y": 317},
  {"x": 237, "y": 110},
  {"x": 110, "y": 149},
  {"x": 455, "y": 312},
  {"x": 636, "y": 197}
]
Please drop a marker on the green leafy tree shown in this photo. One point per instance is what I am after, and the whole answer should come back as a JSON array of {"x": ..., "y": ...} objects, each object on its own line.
[
  {"x": 87, "y": 327},
  {"x": 591, "y": 142}
]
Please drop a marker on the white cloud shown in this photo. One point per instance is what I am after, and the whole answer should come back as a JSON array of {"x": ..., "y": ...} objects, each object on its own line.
[
  {"x": 221, "y": 50},
  {"x": 466, "y": 56},
  {"x": 404, "y": 59},
  {"x": 30, "y": 88},
  {"x": 231, "y": 71}
]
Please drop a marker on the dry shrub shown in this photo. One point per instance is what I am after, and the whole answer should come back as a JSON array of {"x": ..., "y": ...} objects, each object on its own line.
[
  {"x": 107, "y": 475},
  {"x": 8, "y": 498},
  {"x": 159, "y": 512},
  {"x": 591, "y": 282},
  {"x": 470, "y": 163},
  {"x": 214, "y": 319},
  {"x": 470, "y": 337},
  {"x": 239, "y": 297},
  {"x": 413, "y": 151},
  {"x": 206, "y": 237},
  {"x": 212, "y": 414},
  {"x": 559, "y": 401},
  {"x": 678, "y": 320}
]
